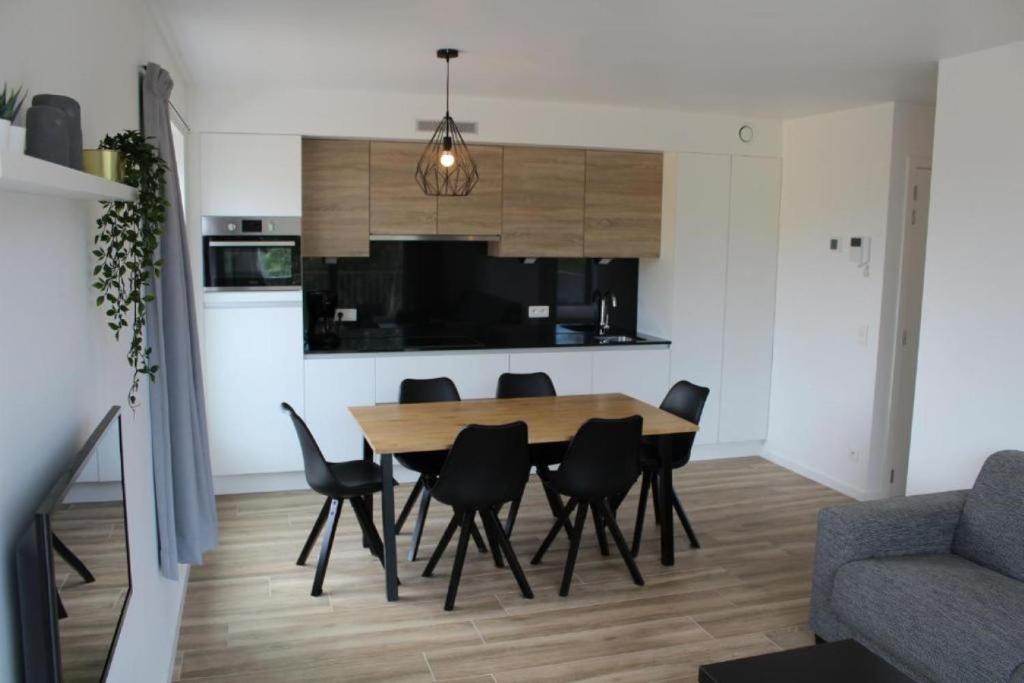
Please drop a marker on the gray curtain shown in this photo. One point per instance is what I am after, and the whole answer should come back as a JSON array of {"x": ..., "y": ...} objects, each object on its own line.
[{"x": 185, "y": 509}]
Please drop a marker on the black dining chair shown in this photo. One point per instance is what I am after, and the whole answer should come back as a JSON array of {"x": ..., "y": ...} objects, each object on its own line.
[
  {"x": 338, "y": 481},
  {"x": 542, "y": 455},
  {"x": 427, "y": 464},
  {"x": 685, "y": 400},
  {"x": 600, "y": 465},
  {"x": 486, "y": 467}
]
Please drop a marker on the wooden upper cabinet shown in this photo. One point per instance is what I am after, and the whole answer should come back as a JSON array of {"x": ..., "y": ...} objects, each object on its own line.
[
  {"x": 335, "y": 197},
  {"x": 479, "y": 213},
  {"x": 397, "y": 204},
  {"x": 623, "y": 204},
  {"x": 542, "y": 202}
]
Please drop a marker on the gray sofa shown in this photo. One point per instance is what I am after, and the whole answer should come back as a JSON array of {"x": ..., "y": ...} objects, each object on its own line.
[{"x": 935, "y": 583}]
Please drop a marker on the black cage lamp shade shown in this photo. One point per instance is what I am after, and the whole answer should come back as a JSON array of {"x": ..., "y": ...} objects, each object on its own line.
[{"x": 446, "y": 167}]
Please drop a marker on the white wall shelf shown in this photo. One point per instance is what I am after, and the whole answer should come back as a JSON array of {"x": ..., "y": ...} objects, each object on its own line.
[{"x": 22, "y": 173}]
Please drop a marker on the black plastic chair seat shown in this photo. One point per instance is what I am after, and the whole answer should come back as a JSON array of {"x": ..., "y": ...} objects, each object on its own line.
[
  {"x": 355, "y": 478},
  {"x": 426, "y": 462}
]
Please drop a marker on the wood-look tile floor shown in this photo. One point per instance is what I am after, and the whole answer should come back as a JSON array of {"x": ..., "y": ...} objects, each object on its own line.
[{"x": 249, "y": 616}]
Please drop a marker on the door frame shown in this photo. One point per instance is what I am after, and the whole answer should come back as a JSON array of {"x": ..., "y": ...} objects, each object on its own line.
[{"x": 901, "y": 408}]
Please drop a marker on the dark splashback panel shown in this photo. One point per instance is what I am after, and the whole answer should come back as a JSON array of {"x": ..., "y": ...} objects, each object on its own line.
[{"x": 438, "y": 284}]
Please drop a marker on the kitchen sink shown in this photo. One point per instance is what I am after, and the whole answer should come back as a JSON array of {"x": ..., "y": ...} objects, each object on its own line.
[{"x": 614, "y": 339}]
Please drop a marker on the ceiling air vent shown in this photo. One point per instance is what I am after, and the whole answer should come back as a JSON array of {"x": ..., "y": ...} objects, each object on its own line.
[{"x": 425, "y": 126}]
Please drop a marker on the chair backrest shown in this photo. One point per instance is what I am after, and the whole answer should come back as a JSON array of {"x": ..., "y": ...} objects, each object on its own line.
[
  {"x": 487, "y": 465},
  {"x": 991, "y": 527},
  {"x": 427, "y": 390},
  {"x": 602, "y": 459},
  {"x": 318, "y": 476},
  {"x": 524, "y": 385},
  {"x": 685, "y": 400}
]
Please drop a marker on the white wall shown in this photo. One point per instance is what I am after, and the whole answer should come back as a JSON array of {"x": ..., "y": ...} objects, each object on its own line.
[
  {"x": 839, "y": 180},
  {"x": 970, "y": 369},
  {"x": 61, "y": 369}
]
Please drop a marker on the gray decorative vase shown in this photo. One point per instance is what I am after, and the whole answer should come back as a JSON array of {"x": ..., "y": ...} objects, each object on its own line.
[
  {"x": 73, "y": 111},
  {"x": 47, "y": 136}
]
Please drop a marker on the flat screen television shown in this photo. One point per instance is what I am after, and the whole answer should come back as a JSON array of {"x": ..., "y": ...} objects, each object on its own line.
[{"x": 74, "y": 577}]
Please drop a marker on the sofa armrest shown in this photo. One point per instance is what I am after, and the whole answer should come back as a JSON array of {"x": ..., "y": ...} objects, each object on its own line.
[{"x": 915, "y": 525}]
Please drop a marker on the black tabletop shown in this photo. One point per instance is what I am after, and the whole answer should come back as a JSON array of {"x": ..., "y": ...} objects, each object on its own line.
[{"x": 844, "y": 661}]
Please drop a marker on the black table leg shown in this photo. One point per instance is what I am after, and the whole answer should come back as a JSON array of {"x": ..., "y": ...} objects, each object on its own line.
[
  {"x": 387, "y": 513},
  {"x": 368, "y": 499},
  {"x": 668, "y": 551}
]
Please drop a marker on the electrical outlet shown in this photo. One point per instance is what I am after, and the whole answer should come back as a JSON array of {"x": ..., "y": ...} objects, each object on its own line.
[
  {"x": 539, "y": 311},
  {"x": 345, "y": 315},
  {"x": 854, "y": 455}
]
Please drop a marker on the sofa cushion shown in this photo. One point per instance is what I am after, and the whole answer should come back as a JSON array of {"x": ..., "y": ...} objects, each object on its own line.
[
  {"x": 941, "y": 616},
  {"x": 991, "y": 528}
]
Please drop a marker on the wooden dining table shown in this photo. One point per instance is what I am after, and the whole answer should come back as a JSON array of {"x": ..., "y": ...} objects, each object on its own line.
[{"x": 390, "y": 429}]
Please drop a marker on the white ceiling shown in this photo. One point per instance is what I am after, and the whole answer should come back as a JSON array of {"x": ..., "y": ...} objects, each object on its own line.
[{"x": 753, "y": 57}]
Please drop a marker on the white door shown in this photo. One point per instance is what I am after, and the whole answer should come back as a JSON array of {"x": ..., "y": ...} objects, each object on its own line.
[
  {"x": 333, "y": 385},
  {"x": 475, "y": 373},
  {"x": 642, "y": 373},
  {"x": 915, "y": 236},
  {"x": 250, "y": 175},
  {"x": 750, "y": 299},
  {"x": 253, "y": 363},
  {"x": 701, "y": 257}
]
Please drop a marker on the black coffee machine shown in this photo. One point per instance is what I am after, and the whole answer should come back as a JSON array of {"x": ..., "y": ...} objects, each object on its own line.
[{"x": 320, "y": 334}]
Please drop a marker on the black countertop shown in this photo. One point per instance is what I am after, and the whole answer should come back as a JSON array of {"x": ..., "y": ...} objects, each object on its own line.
[{"x": 453, "y": 338}]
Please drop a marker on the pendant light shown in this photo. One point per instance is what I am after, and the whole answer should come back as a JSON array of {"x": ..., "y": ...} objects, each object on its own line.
[{"x": 446, "y": 167}]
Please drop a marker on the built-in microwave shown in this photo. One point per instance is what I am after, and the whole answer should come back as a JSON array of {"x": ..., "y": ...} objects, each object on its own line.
[{"x": 251, "y": 253}]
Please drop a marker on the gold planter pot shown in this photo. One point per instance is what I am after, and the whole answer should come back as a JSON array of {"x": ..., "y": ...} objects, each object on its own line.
[{"x": 105, "y": 163}]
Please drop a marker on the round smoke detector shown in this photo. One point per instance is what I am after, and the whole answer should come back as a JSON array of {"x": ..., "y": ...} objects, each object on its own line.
[{"x": 746, "y": 133}]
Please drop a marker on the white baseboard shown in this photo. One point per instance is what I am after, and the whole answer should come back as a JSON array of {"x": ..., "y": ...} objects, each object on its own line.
[
  {"x": 820, "y": 477},
  {"x": 718, "y": 451},
  {"x": 183, "y": 571}
]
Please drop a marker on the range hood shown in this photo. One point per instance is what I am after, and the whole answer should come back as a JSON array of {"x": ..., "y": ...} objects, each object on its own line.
[{"x": 434, "y": 238}]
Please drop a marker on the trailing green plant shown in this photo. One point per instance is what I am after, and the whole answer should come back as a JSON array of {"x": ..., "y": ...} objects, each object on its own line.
[
  {"x": 126, "y": 249},
  {"x": 10, "y": 102}
]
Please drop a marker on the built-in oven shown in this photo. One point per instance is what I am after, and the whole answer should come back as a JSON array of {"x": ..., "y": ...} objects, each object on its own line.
[{"x": 251, "y": 253}]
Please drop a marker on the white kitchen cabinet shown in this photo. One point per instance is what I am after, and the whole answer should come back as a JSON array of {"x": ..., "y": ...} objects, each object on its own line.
[
  {"x": 250, "y": 175},
  {"x": 253, "y": 362},
  {"x": 701, "y": 257},
  {"x": 750, "y": 298},
  {"x": 475, "y": 373},
  {"x": 570, "y": 369},
  {"x": 333, "y": 384},
  {"x": 640, "y": 372}
]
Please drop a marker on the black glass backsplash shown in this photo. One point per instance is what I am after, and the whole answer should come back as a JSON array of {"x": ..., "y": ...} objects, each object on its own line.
[{"x": 443, "y": 285}]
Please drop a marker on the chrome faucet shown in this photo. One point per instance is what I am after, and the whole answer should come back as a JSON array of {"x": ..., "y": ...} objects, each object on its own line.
[{"x": 603, "y": 302}]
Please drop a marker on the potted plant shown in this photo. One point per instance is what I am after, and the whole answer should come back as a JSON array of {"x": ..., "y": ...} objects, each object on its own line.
[
  {"x": 11, "y": 137},
  {"x": 125, "y": 247}
]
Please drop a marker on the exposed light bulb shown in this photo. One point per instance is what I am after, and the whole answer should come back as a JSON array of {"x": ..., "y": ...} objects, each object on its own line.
[{"x": 447, "y": 158}]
